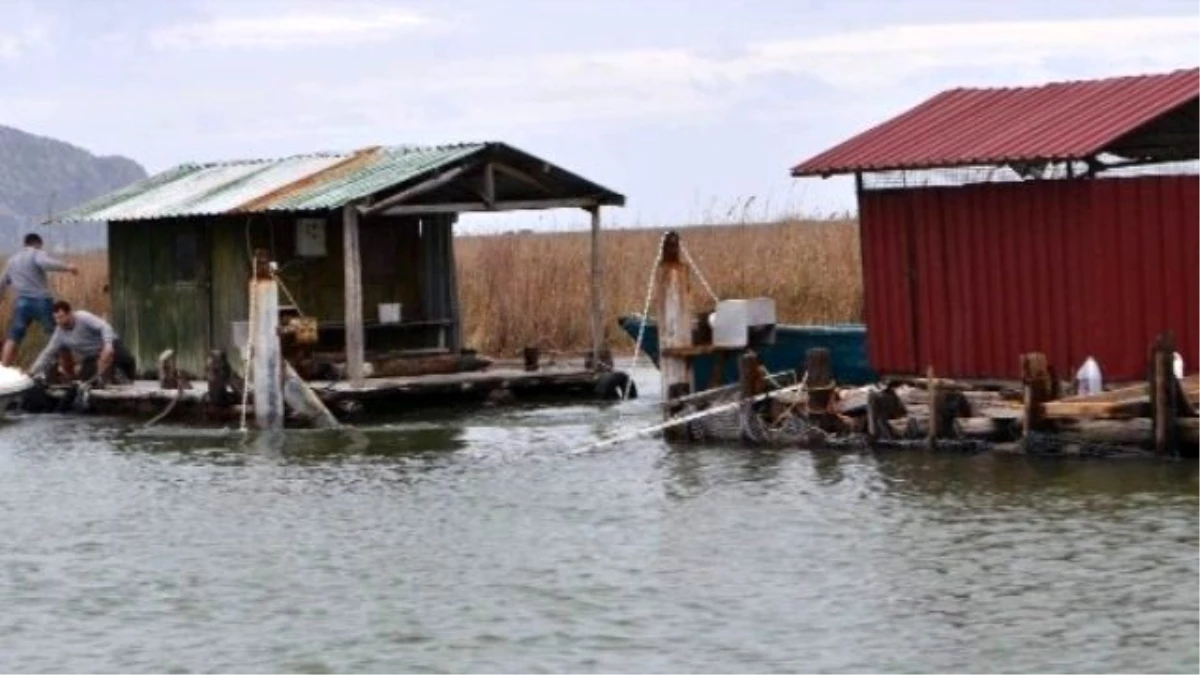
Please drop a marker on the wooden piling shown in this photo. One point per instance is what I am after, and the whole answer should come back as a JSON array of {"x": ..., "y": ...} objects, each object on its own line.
[
  {"x": 267, "y": 366},
  {"x": 1164, "y": 390},
  {"x": 352, "y": 259},
  {"x": 1038, "y": 389},
  {"x": 674, "y": 326},
  {"x": 597, "y": 301}
]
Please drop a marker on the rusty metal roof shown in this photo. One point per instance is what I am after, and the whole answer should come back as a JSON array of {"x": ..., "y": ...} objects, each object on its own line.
[
  {"x": 311, "y": 182},
  {"x": 963, "y": 127}
]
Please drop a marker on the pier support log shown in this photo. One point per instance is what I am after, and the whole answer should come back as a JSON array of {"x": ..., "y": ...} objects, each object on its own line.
[
  {"x": 224, "y": 386},
  {"x": 674, "y": 319},
  {"x": 304, "y": 402},
  {"x": 267, "y": 361},
  {"x": 1039, "y": 386},
  {"x": 986, "y": 428},
  {"x": 882, "y": 407},
  {"x": 1165, "y": 395},
  {"x": 352, "y": 262},
  {"x": 597, "y": 283}
]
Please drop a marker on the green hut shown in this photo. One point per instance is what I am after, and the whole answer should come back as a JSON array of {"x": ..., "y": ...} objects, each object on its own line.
[{"x": 180, "y": 243}]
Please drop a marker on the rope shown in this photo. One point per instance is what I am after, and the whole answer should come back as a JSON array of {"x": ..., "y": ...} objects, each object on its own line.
[
  {"x": 684, "y": 419},
  {"x": 637, "y": 345},
  {"x": 286, "y": 292},
  {"x": 699, "y": 275},
  {"x": 248, "y": 366},
  {"x": 170, "y": 406}
]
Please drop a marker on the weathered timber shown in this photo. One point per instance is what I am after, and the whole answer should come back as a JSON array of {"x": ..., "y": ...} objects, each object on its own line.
[
  {"x": 673, "y": 293},
  {"x": 597, "y": 299},
  {"x": 987, "y": 428},
  {"x": 1039, "y": 388},
  {"x": 818, "y": 368},
  {"x": 531, "y": 357},
  {"x": 267, "y": 361},
  {"x": 303, "y": 401},
  {"x": 429, "y": 365},
  {"x": 352, "y": 259},
  {"x": 1164, "y": 395},
  {"x": 169, "y": 376},
  {"x": 882, "y": 407}
]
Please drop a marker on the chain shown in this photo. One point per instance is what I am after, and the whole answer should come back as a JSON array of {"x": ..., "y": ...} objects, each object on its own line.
[{"x": 699, "y": 275}]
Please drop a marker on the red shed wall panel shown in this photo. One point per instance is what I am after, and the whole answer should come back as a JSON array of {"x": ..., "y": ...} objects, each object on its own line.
[{"x": 968, "y": 278}]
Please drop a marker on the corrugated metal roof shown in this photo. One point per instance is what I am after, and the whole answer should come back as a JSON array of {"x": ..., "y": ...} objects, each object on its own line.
[
  {"x": 960, "y": 127},
  {"x": 299, "y": 183}
]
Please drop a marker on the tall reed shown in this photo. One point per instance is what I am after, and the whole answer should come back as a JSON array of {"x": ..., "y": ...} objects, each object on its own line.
[{"x": 533, "y": 288}]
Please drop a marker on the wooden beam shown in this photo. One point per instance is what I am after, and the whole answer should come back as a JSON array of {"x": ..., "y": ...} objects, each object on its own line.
[
  {"x": 416, "y": 190},
  {"x": 526, "y": 178},
  {"x": 489, "y": 184},
  {"x": 354, "y": 305},
  {"x": 596, "y": 290},
  {"x": 468, "y": 207}
]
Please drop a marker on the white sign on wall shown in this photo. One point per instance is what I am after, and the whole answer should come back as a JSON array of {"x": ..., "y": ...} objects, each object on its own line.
[{"x": 310, "y": 237}]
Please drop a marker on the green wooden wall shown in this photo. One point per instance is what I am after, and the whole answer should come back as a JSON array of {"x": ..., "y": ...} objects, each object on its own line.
[{"x": 159, "y": 302}]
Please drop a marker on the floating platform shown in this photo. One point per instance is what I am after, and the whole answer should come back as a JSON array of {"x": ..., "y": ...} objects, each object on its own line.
[{"x": 498, "y": 385}]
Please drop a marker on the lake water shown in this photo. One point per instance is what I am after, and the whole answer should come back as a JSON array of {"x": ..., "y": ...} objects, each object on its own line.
[{"x": 476, "y": 542}]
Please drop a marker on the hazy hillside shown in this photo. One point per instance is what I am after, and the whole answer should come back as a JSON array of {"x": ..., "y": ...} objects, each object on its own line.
[{"x": 39, "y": 175}]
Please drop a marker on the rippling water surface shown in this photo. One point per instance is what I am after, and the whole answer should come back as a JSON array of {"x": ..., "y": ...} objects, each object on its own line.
[{"x": 478, "y": 542}]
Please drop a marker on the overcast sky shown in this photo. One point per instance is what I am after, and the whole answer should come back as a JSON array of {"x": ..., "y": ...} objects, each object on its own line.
[{"x": 687, "y": 108}]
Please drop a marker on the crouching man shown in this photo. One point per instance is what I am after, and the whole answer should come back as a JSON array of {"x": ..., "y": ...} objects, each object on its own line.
[{"x": 84, "y": 337}]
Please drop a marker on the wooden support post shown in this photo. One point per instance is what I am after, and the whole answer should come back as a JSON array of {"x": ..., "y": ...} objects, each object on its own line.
[
  {"x": 818, "y": 365},
  {"x": 935, "y": 404},
  {"x": 354, "y": 305},
  {"x": 673, "y": 294},
  {"x": 1164, "y": 391},
  {"x": 882, "y": 407},
  {"x": 267, "y": 362},
  {"x": 597, "y": 289},
  {"x": 531, "y": 359},
  {"x": 1039, "y": 388},
  {"x": 304, "y": 402}
]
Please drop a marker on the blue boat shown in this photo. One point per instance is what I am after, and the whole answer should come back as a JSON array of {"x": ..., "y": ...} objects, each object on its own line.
[{"x": 847, "y": 345}]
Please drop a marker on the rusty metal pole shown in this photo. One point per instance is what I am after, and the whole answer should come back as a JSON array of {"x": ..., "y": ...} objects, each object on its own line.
[{"x": 674, "y": 321}]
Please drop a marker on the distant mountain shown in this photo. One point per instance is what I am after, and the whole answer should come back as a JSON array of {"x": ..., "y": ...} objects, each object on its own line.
[{"x": 40, "y": 175}]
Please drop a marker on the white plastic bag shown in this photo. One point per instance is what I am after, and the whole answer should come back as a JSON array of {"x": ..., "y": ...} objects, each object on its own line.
[{"x": 1088, "y": 379}]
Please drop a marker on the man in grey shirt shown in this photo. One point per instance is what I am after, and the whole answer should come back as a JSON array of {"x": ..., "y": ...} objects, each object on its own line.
[
  {"x": 85, "y": 337},
  {"x": 26, "y": 272}
]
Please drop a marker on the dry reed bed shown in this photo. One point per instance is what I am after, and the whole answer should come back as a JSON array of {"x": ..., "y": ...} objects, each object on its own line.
[{"x": 533, "y": 289}]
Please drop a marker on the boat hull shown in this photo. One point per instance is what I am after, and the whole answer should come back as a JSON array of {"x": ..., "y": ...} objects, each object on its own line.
[{"x": 847, "y": 345}]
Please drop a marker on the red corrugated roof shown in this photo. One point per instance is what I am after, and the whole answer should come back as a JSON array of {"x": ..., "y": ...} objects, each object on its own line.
[{"x": 959, "y": 127}]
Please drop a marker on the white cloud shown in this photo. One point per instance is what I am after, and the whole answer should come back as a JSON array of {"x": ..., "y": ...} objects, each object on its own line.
[
  {"x": 16, "y": 43},
  {"x": 336, "y": 24},
  {"x": 505, "y": 93}
]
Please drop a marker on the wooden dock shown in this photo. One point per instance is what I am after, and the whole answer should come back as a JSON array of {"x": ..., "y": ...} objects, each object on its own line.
[{"x": 503, "y": 385}]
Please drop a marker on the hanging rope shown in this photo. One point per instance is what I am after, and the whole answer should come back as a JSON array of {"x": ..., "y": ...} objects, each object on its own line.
[
  {"x": 696, "y": 268},
  {"x": 637, "y": 345},
  {"x": 248, "y": 366}
]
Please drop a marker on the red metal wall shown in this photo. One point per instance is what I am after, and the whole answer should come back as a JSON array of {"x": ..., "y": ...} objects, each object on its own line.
[{"x": 968, "y": 278}]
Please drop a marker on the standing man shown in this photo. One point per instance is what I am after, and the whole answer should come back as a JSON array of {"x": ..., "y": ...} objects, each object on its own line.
[
  {"x": 84, "y": 337},
  {"x": 26, "y": 272}
]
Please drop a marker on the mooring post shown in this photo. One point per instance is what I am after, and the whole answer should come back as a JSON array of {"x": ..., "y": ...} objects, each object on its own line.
[
  {"x": 1037, "y": 376},
  {"x": 267, "y": 362},
  {"x": 597, "y": 290},
  {"x": 674, "y": 320},
  {"x": 352, "y": 261},
  {"x": 1163, "y": 389}
]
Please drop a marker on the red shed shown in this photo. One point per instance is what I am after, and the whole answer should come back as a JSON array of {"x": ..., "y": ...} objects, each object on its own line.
[{"x": 1060, "y": 218}]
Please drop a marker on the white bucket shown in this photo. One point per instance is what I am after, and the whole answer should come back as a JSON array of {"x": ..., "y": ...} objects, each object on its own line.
[{"x": 389, "y": 312}]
